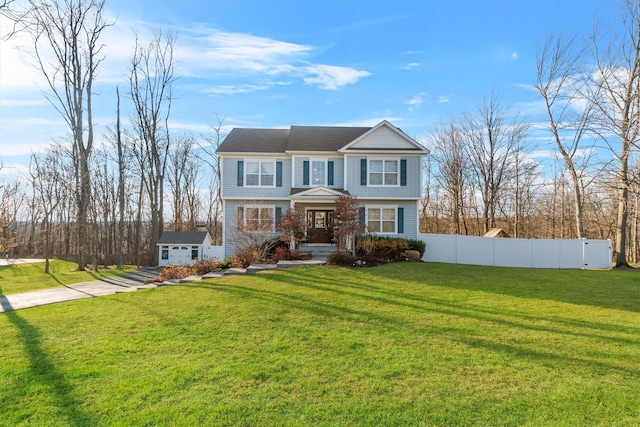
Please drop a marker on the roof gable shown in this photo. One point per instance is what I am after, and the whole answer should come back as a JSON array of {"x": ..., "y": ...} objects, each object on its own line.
[
  {"x": 384, "y": 137},
  {"x": 183, "y": 237},
  {"x": 317, "y": 192}
]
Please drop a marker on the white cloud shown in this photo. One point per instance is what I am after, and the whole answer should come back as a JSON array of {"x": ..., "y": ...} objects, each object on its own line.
[
  {"x": 410, "y": 66},
  {"x": 235, "y": 89},
  {"x": 204, "y": 49},
  {"x": 332, "y": 77},
  {"x": 443, "y": 99},
  {"x": 416, "y": 100}
]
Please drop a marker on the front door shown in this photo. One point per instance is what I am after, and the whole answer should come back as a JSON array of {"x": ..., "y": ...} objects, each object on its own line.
[{"x": 319, "y": 226}]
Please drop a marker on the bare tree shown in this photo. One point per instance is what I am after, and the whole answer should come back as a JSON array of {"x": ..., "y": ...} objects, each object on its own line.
[
  {"x": 492, "y": 137},
  {"x": 348, "y": 220},
  {"x": 212, "y": 159},
  {"x": 453, "y": 169},
  {"x": 121, "y": 183},
  {"x": 151, "y": 79},
  {"x": 67, "y": 51},
  {"x": 47, "y": 182},
  {"x": 614, "y": 88},
  {"x": 570, "y": 114},
  {"x": 183, "y": 178}
]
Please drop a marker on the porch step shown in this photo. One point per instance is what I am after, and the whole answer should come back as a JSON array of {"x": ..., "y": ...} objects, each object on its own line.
[{"x": 319, "y": 252}]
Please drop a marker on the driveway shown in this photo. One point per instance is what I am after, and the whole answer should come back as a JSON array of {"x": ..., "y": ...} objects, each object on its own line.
[{"x": 95, "y": 288}]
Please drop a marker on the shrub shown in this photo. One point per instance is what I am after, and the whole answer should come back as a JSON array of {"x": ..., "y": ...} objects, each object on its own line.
[
  {"x": 243, "y": 258},
  {"x": 382, "y": 249},
  {"x": 171, "y": 271},
  {"x": 282, "y": 253},
  {"x": 204, "y": 266},
  {"x": 342, "y": 258},
  {"x": 268, "y": 247},
  {"x": 418, "y": 245},
  {"x": 199, "y": 268}
]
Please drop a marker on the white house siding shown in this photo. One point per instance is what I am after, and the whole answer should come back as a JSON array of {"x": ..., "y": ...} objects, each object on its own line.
[
  {"x": 338, "y": 171},
  {"x": 230, "y": 181},
  {"x": 411, "y": 190},
  {"x": 410, "y": 214},
  {"x": 231, "y": 216}
]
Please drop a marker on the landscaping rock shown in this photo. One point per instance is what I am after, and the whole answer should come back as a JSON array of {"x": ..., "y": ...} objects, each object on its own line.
[{"x": 412, "y": 255}]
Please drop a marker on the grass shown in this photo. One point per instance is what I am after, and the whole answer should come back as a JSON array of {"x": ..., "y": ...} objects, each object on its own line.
[
  {"x": 406, "y": 344},
  {"x": 20, "y": 278}
]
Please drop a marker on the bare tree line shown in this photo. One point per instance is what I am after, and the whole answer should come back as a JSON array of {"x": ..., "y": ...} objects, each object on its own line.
[
  {"x": 109, "y": 201},
  {"x": 95, "y": 202}
]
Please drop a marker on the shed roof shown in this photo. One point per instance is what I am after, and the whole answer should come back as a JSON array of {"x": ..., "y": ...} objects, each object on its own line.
[
  {"x": 183, "y": 237},
  {"x": 496, "y": 232}
]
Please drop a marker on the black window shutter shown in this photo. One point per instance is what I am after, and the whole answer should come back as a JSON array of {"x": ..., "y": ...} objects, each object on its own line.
[
  {"x": 240, "y": 173},
  {"x": 278, "y": 217},
  {"x": 305, "y": 172},
  {"x": 278, "y": 174},
  {"x": 403, "y": 172},
  {"x": 400, "y": 220},
  {"x": 330, "y": 172},
  {"x": 361, "y": 219},
  {"x": 363, "y": 172}
]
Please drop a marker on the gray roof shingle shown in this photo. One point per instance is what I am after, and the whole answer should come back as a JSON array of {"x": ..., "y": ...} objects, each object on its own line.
[
  {"x": 182, "y": 237},
  {"x": 322, "y": 138},
  {"x": 297, "y": 138},
  {"x": 247, "y": 140}
]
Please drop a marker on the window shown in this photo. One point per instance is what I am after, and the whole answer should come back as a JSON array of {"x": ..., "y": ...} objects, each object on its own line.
[
  {"x": 383, "y": 172},
  {"x": 318, "y": 172},
  {"x": 165, "y": 252},
  {"x": 259, "y": 218},
  {"x": 381, "y": 220},
  {"x": 259, "y": 173},
  {"x": 194, "y": 252}
]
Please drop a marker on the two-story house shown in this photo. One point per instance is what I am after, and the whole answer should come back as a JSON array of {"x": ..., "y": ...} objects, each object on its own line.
[{"x": 267, "y": 171}]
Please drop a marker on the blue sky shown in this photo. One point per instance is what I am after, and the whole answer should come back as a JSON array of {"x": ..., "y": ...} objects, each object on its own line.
[{"x": 280, "y": 63}]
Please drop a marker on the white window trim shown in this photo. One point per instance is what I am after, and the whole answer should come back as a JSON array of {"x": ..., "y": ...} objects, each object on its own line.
[
  {"x": 245, "y": 216},
  {"x": 369, "y": 159},
  {"x": 395, "y": 219},
  {"x": 259, "y": 161},
  {"x": 325, "y": 160}
]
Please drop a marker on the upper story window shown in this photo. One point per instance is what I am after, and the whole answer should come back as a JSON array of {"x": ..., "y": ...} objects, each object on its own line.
[
  {"x": 260, "y": 173},
  {"x": 384, "y": 172},
  {"x": 318, "y": 172}
]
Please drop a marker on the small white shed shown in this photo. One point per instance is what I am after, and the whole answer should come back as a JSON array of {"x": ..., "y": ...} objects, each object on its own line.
[{"x": 182, "y": 247}]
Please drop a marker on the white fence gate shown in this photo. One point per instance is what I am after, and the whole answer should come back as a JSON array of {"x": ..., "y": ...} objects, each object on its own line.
[{"x": 529, "y": 253}]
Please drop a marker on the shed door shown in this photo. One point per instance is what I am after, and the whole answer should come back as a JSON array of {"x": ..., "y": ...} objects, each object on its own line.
[{"x": 180, "y": 254}]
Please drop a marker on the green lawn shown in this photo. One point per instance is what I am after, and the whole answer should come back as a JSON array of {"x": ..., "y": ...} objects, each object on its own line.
[
  {"x": 15, "y": 279},
  {"x": 407, "y": 344}
]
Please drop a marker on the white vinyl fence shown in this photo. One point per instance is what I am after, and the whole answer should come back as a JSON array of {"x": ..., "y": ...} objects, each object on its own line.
[
  {"x": 216, "y": 252},
  {"x": 531, "y": 253}
]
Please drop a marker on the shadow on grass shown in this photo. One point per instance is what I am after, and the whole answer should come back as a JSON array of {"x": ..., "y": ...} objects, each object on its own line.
[
  {"x": 365, "y": 289},
  {"x": 359, "y": 299},
  {"x": 612, "y": 289},
  {"x": 45, "y": 372}
]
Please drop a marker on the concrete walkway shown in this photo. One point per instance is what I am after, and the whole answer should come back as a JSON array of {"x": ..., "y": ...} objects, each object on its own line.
[{"x": 128, "y": 283}]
